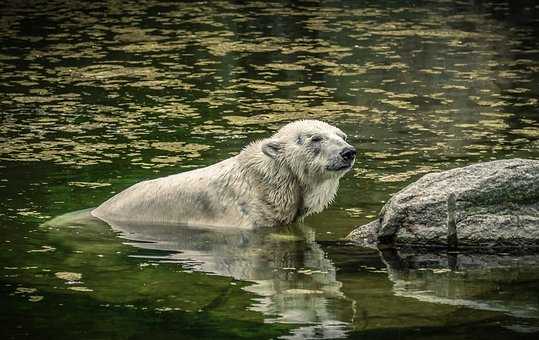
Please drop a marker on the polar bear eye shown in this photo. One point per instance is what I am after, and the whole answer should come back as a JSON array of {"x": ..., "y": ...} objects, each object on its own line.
[{"x": 316, "y": 138}]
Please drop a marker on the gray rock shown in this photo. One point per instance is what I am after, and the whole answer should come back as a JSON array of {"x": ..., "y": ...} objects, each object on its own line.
[{"x": 496, "y": 205}]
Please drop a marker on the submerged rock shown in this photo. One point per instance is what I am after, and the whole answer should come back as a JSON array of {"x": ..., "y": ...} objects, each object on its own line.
[{"x": 496, "y": 204}]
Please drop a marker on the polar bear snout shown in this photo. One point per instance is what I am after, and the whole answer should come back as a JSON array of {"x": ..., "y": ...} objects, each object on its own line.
[
  {"x": 348, "y": 153},
  {"x": 342, "y": 160}
]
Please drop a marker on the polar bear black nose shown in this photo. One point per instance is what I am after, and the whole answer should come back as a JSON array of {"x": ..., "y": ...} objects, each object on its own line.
[{"x": 348, "y": 153}]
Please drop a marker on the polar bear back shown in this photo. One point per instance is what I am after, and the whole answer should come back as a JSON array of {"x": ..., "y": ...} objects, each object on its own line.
[{"x": 182, "y": 198}]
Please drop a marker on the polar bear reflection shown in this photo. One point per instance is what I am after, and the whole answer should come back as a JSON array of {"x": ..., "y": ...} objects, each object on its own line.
[{"x": 291, "y": 273}]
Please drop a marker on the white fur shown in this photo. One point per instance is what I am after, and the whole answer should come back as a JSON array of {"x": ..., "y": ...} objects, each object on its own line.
[{"x": 271, "y": 182}]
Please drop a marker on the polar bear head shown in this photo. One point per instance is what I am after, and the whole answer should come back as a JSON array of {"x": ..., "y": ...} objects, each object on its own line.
[{"x": 312, "y": 149}]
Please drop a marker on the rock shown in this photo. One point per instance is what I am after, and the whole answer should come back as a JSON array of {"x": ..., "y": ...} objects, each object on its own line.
[{"x": 496, "y": 205}]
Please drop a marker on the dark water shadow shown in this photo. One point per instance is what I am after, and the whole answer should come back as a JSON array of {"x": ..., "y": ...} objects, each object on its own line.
[{"x": 500, "y": 282}]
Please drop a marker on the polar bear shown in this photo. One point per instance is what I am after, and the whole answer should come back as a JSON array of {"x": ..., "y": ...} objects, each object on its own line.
[{"x": 271, "y": 182}]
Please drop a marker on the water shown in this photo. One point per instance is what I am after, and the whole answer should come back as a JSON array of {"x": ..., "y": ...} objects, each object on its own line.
[{"x": 95, "y": 96}]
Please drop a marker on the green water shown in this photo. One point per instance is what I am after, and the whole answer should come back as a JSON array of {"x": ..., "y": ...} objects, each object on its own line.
[{"x": 96, "y": 96}]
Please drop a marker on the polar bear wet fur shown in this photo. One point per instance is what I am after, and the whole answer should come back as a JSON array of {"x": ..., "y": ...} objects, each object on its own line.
[{"x": 271, "y": 182}]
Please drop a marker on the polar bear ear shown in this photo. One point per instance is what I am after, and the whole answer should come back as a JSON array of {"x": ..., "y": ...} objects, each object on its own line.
[{"x": 272, "y": 148}]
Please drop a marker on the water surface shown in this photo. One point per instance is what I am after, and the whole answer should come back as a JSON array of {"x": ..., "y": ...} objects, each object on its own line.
[{"x": 96, "y": 96}]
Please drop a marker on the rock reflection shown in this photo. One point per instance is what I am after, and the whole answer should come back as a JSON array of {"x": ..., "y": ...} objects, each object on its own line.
[
  {"x": 492, "y": 282},
  {"x": 290, "y": 272}
]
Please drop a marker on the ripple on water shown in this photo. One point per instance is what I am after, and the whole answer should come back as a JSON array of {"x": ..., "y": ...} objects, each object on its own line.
[{"x": 97, "y": 96}]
